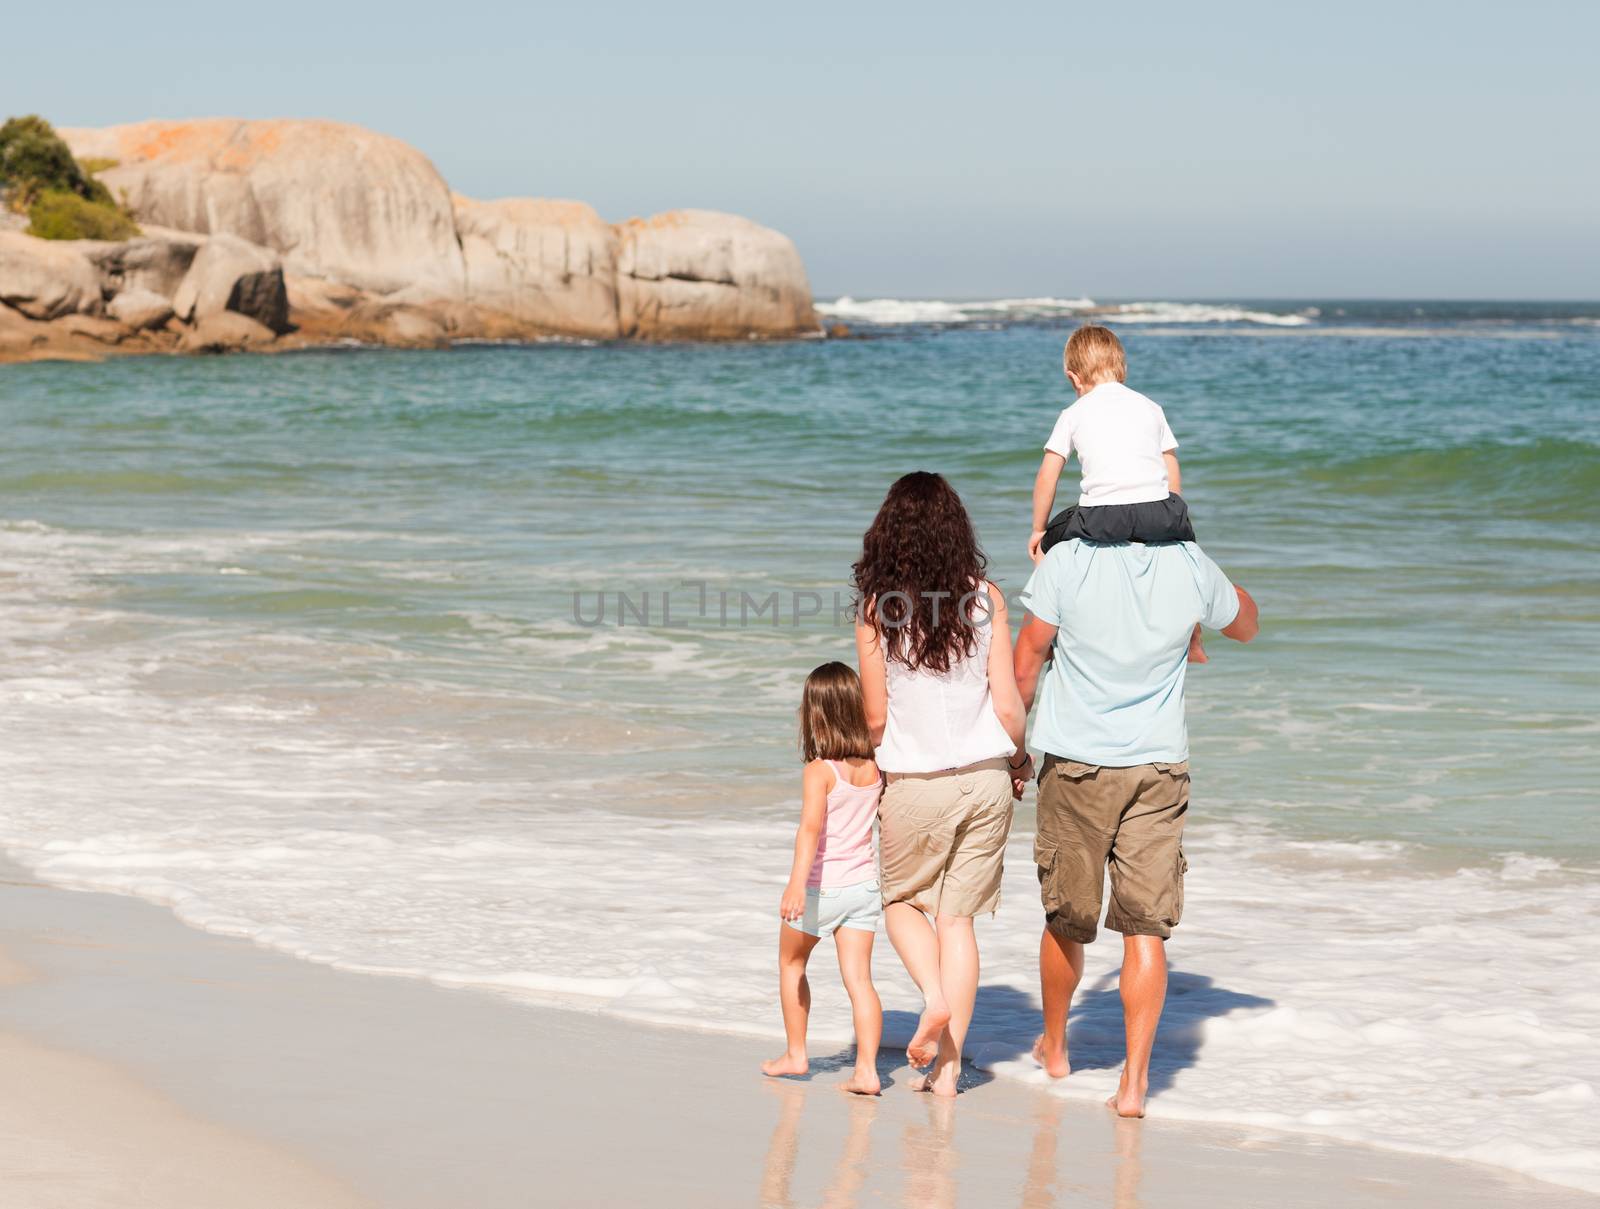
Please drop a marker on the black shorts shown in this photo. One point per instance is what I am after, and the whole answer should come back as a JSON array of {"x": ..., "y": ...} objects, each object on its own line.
[{"x": 1149, "y": 523}]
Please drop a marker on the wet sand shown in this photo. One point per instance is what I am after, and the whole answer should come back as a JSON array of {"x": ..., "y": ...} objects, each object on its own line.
[{"x": 139, "y": 1050}]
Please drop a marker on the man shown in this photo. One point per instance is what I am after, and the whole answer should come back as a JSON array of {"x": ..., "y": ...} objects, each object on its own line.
[{"x": 1114, "y": 621}]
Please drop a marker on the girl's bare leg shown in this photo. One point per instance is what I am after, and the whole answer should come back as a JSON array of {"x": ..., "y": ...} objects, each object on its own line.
[
  {"x": 1197, "y": 650},
  {"x": 794, "y": 993},
  {"x": 914, "y": 939},
  {"x": 855, "y": 966}
]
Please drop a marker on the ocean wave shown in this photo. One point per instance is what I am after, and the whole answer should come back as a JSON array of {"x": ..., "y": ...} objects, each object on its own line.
[
  {"x": 893, "y": 311},
  {"x": 400, "y": 825},
  {"x": 1203, "y": 312},
  {"x": 907, "y": 311}
]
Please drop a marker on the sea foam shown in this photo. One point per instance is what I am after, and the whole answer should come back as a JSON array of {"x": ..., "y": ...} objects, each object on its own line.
[
  {"x": 906, "y": 311},
  {"x": 383, "y": 818}
]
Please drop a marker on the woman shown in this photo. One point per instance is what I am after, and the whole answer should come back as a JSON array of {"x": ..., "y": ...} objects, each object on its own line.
[{"x": 943, "y": 708}]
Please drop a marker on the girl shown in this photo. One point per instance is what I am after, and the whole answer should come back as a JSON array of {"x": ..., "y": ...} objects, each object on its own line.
[{"x": 833, "y": 886}]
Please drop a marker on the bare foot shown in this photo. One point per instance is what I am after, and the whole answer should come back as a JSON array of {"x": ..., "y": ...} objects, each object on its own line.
[
  {"x": 924, "y": 1045},
  {"x": 1053, "y": 1059},
  {"x": 1128, "y": 1102},
  {"x": 862, "y": 1083},
  {"x": 942, "y": 1082},
  {"x": 789, "y": 1064},
  {"x": 1197, "y": 650}
]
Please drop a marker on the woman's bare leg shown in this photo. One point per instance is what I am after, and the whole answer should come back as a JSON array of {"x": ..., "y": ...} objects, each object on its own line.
[
  {"x": 958, "y": 974},
  {"x": 914, "y": 939}
]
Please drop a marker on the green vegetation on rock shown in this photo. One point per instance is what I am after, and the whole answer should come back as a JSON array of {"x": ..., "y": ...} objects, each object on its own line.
[
  {"x": 60, "y": 195},
  {"x": 57, "y": 214}
]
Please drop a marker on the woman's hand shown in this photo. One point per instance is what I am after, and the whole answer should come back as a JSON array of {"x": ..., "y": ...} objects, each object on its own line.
[
  {"x": 793, "y": 904},
  {"x": 1021, "y": 774}
]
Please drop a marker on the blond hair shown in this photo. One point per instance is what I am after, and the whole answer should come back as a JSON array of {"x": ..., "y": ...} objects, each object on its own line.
[
  {"x": 1095, "y": 355},
  {"x": 833, "y": 716}
]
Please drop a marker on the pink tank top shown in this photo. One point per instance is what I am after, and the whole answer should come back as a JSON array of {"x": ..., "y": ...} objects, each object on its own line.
[{"x": 844, "y": 850}]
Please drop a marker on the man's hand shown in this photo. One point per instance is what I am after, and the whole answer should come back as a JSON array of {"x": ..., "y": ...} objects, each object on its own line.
[
  {"x": 793, "y": 904},
  {"x": 1033, "y": 545}
]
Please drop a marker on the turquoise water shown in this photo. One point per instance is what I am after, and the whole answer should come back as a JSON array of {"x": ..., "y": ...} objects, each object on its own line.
[
  {"x": 1413, "y": 506},
  {"x": 305, "y": 647}
]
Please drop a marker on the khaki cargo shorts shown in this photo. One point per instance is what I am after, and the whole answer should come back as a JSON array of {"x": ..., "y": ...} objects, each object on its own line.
[
  {"x": 1129, "y": 818},
  {"x": 943, "y": 838}
]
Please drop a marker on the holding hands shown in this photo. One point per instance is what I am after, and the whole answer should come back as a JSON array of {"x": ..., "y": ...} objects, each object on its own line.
[{"x": 1021, "y": 774}]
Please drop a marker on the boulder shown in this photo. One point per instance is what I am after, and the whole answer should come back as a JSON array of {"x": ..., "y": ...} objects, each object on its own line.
[
  {"x": 140, "y": 309},
  {"x": 701, "y": 275},
  {"x": 229, "y": 274},
  {"x": 334, "y": 200},
  {"x": 550, "y": 264},
  {"x": 156, "y": 261},
  {"x": 316, "y": 294},
  {"x": 225, "y": 332},
  {"x": 93, "y": 327},
  {"x": 44, "y": 279}
]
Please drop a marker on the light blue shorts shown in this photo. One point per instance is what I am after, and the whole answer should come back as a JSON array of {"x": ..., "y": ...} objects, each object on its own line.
[{"x": 831, "y": 907}]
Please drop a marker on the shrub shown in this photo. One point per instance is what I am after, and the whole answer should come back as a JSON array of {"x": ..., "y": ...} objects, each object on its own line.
[
  {"x": 59, "y": 214},
  {"x": 60, "y": 195},
  {"x": 33, "y": 158}
]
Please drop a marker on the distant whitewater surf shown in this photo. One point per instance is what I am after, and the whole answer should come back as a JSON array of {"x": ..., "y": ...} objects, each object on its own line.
[{"x": 897, "y": 311}]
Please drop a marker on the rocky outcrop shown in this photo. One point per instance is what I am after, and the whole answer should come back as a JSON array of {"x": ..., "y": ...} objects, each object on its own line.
[
  {"x": 318, "y": 232},
  {"x": 226, "y": 332},
  {"x": 550, "y": 264},
  {"x": 156, "y": 261},
  {"x": 45, "y": 280},
  {"x": 229, "y": 274},
  {"x": 697, "y": 274},
  {"x": 140, "y": 309},
  {"x": 334, "y": 200}
]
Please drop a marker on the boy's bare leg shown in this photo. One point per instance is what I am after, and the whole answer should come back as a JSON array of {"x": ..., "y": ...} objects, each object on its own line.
[
  {"x": 855, "y": 967},
  {"x": 1197, "y": 650},
  {"x": 914, "y": 939},
  {"x": 1060, "y": 968},
  {"x": 794, "y": 993},
  {"x": 958, "y": 972},
  {"x": 1144, "y": 990}
]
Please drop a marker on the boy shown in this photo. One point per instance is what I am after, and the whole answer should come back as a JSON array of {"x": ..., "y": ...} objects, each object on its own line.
[{"x": 1130, "y": 480}]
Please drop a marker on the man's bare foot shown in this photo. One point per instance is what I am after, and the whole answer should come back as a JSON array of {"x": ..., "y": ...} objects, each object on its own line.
[
  {"x": 1197, "y": 650},
  {"x": 789, "y": 1064},
  {"x": 1053, "y": 1059},
  {"x": 941, "y": 1081},
  {"x": 923, "y": 1047},
  {"x": 862, "y": 1083},
  {"x": 1128, "y": 1102}
]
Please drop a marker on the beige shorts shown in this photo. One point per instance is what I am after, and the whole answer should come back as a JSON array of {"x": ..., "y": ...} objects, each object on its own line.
[
  {"x": 1129, "y": 818},
  {"x": 943, "y": 838}
]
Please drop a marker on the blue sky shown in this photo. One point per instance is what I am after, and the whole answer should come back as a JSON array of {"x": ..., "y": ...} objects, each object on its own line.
[{"x": 1230, "y": 150}]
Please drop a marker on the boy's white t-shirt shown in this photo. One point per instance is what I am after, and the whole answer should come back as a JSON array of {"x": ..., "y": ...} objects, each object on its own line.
[{"x": 1120, "y": 436}]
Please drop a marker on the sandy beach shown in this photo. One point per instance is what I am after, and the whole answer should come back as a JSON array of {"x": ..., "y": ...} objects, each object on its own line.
[{"x": 149, "y": 1064}]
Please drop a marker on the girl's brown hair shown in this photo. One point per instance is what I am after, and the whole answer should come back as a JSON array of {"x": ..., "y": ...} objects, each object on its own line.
[
  {"x": 833, "y": 717},
  {"x": 921, "y": 572}
]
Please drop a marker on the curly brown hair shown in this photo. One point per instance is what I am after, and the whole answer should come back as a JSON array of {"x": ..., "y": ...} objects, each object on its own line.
[{"x": 920, "y": 568}]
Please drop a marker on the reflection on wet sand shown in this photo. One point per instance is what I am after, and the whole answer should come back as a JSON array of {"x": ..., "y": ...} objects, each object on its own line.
[
  {"x": 929, "y": 1156},
  {"x": 1058, "y": 1166},
  {"x": 849, "y": 1172}
]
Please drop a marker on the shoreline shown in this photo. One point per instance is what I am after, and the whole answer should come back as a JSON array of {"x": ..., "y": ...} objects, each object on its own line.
[{"x": 410, "y": 1094}]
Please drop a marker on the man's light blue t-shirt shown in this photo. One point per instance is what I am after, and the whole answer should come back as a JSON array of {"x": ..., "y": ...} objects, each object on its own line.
[{"x": 1112, "y": 693}]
